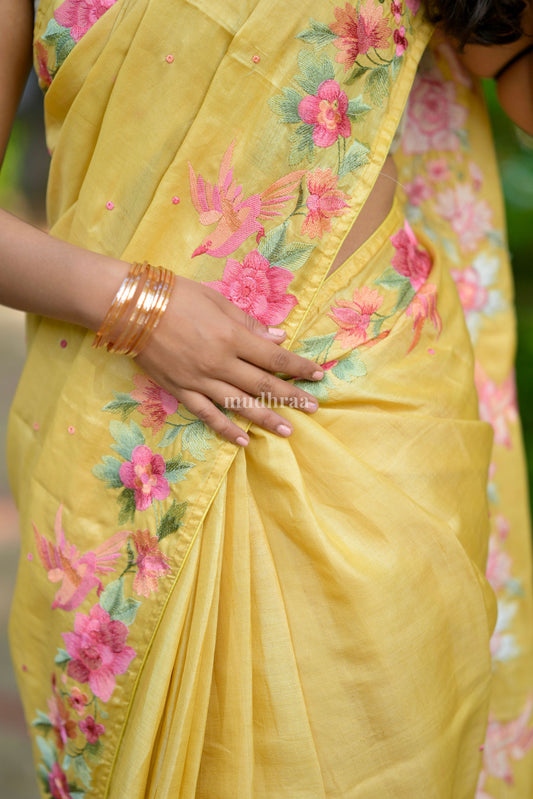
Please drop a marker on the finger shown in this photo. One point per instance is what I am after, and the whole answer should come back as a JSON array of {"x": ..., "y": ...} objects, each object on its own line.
[
  {"x": 277, "y": 360},
  {"x": 202, "y": 407},
  {"x": 252, "y": 408}
]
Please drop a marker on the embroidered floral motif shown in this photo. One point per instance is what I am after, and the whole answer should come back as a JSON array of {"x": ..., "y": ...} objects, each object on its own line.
[
  {"x": 80, "y": 15},
  {"x": 156, "y": 405},
  {"x": 410, "y": 260},
  {"x": 505, "y": 742},
  {"x": 353, "y": 316},
  {"x": 323, "y": 202},
  {"x": 497, "y": 404},
  {"x": 151, "y": 563},
  {"x": 326, "y": 112},
  {"x": 434, "y": 117},
  {"x": 359, "y": 31},
  {"x": 475, "y": 286},
  {"x": 470, "y": 218},
  {"x": 145, "y": 475},
  {"x": 257, "y": 288}
]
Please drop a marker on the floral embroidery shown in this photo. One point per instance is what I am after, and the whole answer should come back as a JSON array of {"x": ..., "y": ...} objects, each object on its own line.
[
  {"x": 353, "y": 317},
  {"x": 422, "y": 307},
  {"x": 505, "y": 742},
  {"x": 410, "y": 260},
  {"x": 434, "y": 118},
  {"x": 326, "y": 113},
  {"x": 257, "y": 287},
  {"x": 497, "y": 404},
  {"x": 145, "y": 475},
  {"x": 91, "y": 729},
  {"x": 358, "y": 31},
  {"x": 474, "y": 286},
  {"x": 323, "y": 202},
  {"x": 151, "y": 563},
  {"x": 470, "y": 218},
  {"x": 80, "y": 15},
  {"x": 156, "y": 405}
]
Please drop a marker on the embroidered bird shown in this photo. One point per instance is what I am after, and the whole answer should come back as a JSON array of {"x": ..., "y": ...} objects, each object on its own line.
[
  {"x": 77, "y": 573},
  {"x": 236, "y": 218}
]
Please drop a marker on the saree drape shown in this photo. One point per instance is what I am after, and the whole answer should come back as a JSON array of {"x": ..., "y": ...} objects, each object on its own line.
[{"x": 308, "y": 617}]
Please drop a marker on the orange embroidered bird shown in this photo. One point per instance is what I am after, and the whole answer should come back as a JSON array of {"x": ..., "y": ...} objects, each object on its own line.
[{"x": 236, "y": 218}]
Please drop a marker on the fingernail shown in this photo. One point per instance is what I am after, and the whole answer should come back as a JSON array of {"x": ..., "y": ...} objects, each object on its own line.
[
  {"x": 318, "y": 375},
  {"x": 241, "y": 441},
  {"x": 284, "y": 430},
  {"x": 311, "y": 405},
  {"x": 275, "y": 331}
]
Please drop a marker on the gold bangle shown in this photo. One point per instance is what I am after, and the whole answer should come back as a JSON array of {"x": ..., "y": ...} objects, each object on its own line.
[{"x": 136, "y": 310}]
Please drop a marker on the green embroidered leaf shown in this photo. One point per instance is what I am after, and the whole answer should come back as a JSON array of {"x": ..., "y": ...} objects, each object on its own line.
[
  {"x": 514, "y": 586},
  {"x": 42, "y": 774},
  {"x": 123, "y": 404},
  {"x": 349, "y": 367},
  {"x": 318, "y": 390},
  {"x": 395, "y": 66},
  {"x": 405, "y": 295},
  {"x": 377, "y": 324},
  {"x": 62, "y": 657},
  {"x": 294, "y": 255},
  {"x": 177, "y": 469},
  {"x": 313, "y": 71},
  {"x": 170, "y": 435},
  {"x": 196, "y": 439},
  {"x": 302, "y": 144},
  {"x": 172, "y": 520},
  {"x": 74, "y": 793},
  {"x": 42, "y": 721},
  {"x": 391, "y": 279},
  {"x": 314, "y": 346},
  {"x": 67, "y": 760},
  {"x": 272, "y": 244},
  {"x": 378, "y": 84},
  {"x": 318, "y": 34},
  {"x": 131, "y": 553},
  {"x": 60, "y": 38},
  {"x": 357, "y": 108},
  {"x": 126, "y": 500},
  {"x": 47, "y": 751},
  {"x": 92, "y": 751},
  {"x": 356, "y": 157},
  {"x": 119, "y": 607},
  {"x": 356, "y": 73},
  {"x": 109, "y": 471},
  {"x": 286, "y": 105},
  {"x": 127, "y": 437},
  {"x": 82, "y": 770}
]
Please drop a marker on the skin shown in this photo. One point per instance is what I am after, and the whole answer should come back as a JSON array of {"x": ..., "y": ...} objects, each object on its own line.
[{"x": 220, "y": 352}]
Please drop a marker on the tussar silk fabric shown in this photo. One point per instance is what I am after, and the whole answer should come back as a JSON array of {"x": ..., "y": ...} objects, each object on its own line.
[{"x": 307, "y": 617}]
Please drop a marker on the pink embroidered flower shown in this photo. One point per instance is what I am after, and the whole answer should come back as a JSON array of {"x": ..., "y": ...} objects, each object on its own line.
[
  {"x": 144, "y": 473},
  {"x": 473, "y": 295},
  {"x": 98, "y": 651},
  {"x": 80, "y": 15},
  {"x": 324, "y": 202},
  {"x": 417, "y": 190},
  {"x": 76, "y": 573},
  {"x": 62, "y": 725},
  {"x": 156, "y": 403},
  {"x": 497, "y": 404},
  {"x": 358, "y": 32},
  {"x": 506, "y": 742},
  {"x": 433, "y": 116},
  {"x": 151, "y": 563},
  {"x": 78, "y": 701},
  {"x": 91, "y": 729},
  {"x": 409, "y": 259},
  {"x": 42, "y": 63},
  {"x": 396, "y": 11},
  {"x": 476, "y": 174},
  {"x": 326, "y": 110},
  {"x": 413, "y": 6},
  {"x": 438, "y": 170},
  {"x": 57, "y": 782},
  {"x": 469, "y": 217},
  {"x": 353, "y": 316},
  {"x": 498, "y": 570},
  {"x": 257, "y": 288},
  {"x": 400, "y": 40},
  {"x": 424, "y": 306}
]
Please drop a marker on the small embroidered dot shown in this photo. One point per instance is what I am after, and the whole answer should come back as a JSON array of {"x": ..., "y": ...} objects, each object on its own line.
[
  {"x": 175, "y": 200},
  {"x": 109, "y": 205},
  {"x": 481, "y": 748},
  {"x": 24, "y": 667},
  {"x": 169, "y": 59},
  {"x": 256, "y": 58},
  {"x": 36, "y": 425},
  {"x": 63, "y": 343},
  {"x": 431, "y": 351},
  {"x": 71, "y": 430},
  {"x": 29, "y": 556}
]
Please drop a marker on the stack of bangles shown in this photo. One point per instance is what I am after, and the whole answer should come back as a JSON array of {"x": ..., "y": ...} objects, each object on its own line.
[{"x": 136, "y": 310}]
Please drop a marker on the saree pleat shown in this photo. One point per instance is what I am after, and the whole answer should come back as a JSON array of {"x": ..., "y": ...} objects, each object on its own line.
[{"x": 308, "y": 617}]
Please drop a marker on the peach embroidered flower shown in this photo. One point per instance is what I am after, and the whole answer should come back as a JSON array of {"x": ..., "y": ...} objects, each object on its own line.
[
  {"x": 324, "y": 202},
  {"x": 257, "y": 288},
  {"x": 357, "y": 32},
  {"x": 80, "y": 15},
  {"x": 470, "y": 218},
  {"x": 156, "y": 403},
  {"x": 423, "y": 306},
  {"x": 353, "y": 316},
  {"x": 438, "y": 169},
  {"x": 410, "y": 259},
  {"x": 78, "y": 701},
  {"x": 326, "y": 110},
  {"x": 144, "y": 473},
  {"x": 98, "y": 651},
  {"x": 497, "y": 404},
  {"x": 151, "y": 563}
]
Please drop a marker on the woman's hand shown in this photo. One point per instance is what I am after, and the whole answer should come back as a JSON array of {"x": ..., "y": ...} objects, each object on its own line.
[{"x": 207, "y": 352}]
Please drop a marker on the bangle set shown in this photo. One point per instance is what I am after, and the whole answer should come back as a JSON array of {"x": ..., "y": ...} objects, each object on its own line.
[{"x": 136, "y": 310}]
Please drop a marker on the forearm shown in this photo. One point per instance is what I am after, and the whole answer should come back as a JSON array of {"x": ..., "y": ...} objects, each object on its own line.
[{"x": 43, "y": 275}]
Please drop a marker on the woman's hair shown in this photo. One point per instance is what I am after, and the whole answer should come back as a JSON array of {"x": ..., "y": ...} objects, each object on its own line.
[{"x": 478, "y": 21}]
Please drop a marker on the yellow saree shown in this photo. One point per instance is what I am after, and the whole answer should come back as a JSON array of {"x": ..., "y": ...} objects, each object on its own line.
[{"x": 308, "y": 617}]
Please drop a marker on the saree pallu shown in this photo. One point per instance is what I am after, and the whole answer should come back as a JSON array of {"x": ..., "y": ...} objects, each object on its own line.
[{"x": 308, "y": 617}]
